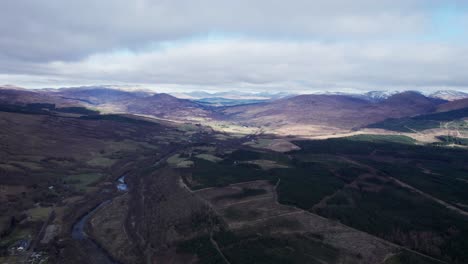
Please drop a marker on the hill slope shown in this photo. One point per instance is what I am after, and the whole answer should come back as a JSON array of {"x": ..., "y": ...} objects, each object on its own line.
[
  {"x": 96, "y": 95},
  {"x": 144, "y": 103},
  {"x": 167, "y": 106},
  {"x": 453, "y": 105},
  {"x": 22, "y": 97},
  {"x": 338, "y": 111}
]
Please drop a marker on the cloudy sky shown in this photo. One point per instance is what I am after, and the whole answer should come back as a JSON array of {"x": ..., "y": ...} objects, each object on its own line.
[{"x": 254, "y": 45}]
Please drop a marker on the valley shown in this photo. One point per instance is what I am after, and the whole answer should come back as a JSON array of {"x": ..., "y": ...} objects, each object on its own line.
[{"x": 106, "y": 176}]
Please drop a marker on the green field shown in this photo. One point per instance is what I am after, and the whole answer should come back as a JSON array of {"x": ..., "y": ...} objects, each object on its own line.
[
  {"x": 81, "y": 181},
  {"x": 383, "y": 138}
]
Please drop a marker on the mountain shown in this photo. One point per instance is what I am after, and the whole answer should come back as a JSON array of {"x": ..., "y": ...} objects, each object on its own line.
[
  {"x": 113, "y": 100},
  {"x": 412, "y": 99},
  {"x": 14, "y": 95},
  {"x": 96, "y": 95},
  {"x": 333, "y": 111},
  {"x": 231, "y": 95},
  {"x": 449, "y": 95},
  {"x": 373, "y": 96},
  {"x": 377, "y": 96},
  {"x": 415, "y": 124},
  {"x": 166, "y": 106},
  {"x": 337, "y": 111}
]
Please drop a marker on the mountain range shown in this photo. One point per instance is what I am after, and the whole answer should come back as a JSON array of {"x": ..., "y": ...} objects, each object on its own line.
[{"x": 274, "y": 112}]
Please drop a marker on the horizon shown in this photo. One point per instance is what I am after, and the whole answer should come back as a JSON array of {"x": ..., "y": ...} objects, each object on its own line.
[{"x": 137, "y": 88}]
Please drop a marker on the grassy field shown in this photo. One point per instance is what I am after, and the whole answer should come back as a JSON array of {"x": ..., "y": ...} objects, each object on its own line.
[
  {"x": 39, "y": 213},
  {"x": 383, "y": 138},
  {"x": 209, "y": 157},
  {"x": 82, "y": 181}
]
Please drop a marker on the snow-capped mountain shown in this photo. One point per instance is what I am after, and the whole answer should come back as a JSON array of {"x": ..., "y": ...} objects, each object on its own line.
[
  {"x": 373, "y": 96},
  {"x": 449, "y": 95},
  {"x": 377, "y": 96}
]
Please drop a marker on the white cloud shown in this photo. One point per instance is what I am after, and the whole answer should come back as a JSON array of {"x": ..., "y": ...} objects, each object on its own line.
[
  {"x": 208, "y": 44},
  {"x": 250, "y": 64}
]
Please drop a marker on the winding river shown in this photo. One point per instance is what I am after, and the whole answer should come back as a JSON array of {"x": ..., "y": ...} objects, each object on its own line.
[{"x": 78, "y": 231}]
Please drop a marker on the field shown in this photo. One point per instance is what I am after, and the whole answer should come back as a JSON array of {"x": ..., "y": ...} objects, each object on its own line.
[{"x": 82, "y": 181}]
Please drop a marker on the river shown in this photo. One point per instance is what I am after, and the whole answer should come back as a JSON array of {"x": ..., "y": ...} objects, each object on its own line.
[{"x": 78, "y": 231}]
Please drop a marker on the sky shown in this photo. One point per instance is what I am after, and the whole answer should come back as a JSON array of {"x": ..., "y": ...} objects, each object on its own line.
[{"x": 255, "y": 45}]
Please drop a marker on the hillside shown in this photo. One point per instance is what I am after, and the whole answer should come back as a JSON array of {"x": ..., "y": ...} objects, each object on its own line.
[
  {"x": 144, "y": 103},
  {"x": 22, "y": 97},
  {"x": 167, "y": 106},
  {"x": 338, "y": 111},
  {"x": 453, "y": 105},
  {"x": 452, "y": 120},
  {"x": 95, "y": 95}
]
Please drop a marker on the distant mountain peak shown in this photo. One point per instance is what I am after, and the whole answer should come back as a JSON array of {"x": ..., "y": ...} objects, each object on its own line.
[
  {"x": 449, "y": 95},
  {"x": 379, "y": 95}
]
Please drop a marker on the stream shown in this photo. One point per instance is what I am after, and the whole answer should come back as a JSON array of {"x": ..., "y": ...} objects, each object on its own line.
[{"x": 78, "y": 231}]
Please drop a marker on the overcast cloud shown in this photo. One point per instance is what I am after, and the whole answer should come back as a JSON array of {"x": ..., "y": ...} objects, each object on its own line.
[{"x": 252, "y": 45}]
